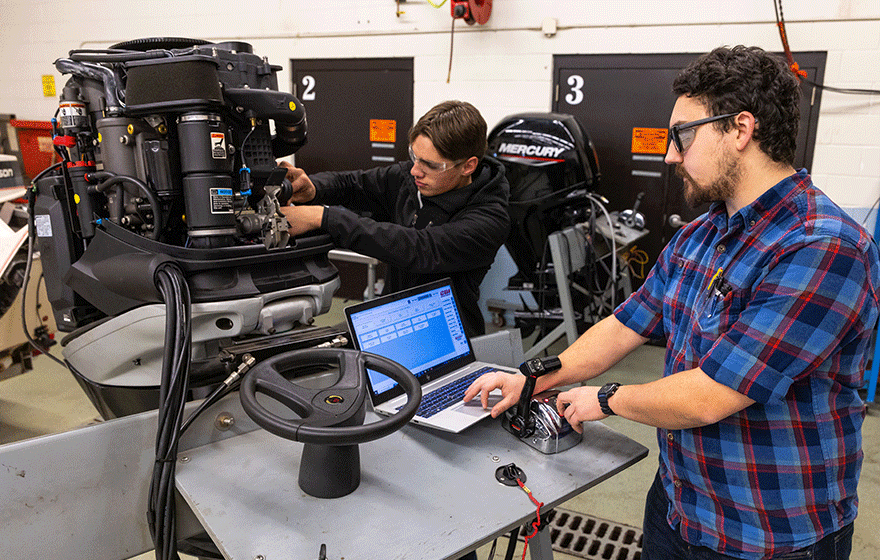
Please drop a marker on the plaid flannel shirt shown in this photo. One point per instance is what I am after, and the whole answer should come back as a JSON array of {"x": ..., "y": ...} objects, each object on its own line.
[{"x": 787, "y": 322}]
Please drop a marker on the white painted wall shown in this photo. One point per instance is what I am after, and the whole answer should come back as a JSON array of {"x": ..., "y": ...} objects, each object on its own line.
[{"x": 503, "y": 67}]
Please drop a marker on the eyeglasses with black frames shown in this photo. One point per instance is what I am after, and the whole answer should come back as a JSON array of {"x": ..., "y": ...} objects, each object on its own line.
[
  {"x": 432, "y": 166},
  {"x": 682, "y": 135}
]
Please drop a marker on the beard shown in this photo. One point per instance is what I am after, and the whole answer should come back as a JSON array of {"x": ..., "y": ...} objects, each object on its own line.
[{"x": 721, "y": 189}]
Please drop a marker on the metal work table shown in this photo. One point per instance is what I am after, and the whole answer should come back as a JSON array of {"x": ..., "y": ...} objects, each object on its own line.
[{"x": 423, "y": 493}]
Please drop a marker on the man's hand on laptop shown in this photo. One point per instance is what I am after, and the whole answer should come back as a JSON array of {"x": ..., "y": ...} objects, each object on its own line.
[{"x": 510, "y": 384}]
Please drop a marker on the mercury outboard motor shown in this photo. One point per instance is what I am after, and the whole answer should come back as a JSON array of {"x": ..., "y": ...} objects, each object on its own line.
[{"x": 551, "y": 166}]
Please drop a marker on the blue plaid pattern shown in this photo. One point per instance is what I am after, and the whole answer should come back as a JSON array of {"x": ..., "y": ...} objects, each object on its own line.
[{"x": 790, "y": 329}]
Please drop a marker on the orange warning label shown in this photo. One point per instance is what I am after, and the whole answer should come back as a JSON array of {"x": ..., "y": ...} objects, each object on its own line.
[
  {"x": 649, "y": 140},
  {"x": 382, "y": 130}
]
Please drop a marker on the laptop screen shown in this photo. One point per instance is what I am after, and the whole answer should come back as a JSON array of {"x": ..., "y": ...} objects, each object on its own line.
[{"x": 419, "y": 328}]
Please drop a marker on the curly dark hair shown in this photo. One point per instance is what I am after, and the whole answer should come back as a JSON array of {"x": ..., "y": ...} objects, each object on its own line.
[{"x": 729, "y": 80}]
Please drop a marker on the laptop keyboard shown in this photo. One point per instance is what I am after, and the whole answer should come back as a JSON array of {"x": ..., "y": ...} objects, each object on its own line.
[{"x": 447, "y": 395}]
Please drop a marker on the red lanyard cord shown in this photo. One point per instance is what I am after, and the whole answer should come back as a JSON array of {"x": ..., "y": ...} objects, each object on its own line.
[{"x": 535, "y": 524}]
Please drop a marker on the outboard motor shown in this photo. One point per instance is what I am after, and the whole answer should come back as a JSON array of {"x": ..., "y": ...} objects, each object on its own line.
[
  {"x": 168, "y": 159},
  {"x": 551, "y": 166}
]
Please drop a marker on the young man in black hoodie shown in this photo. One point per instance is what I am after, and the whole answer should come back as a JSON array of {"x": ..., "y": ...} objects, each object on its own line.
[{"x": 443, "y": 213}]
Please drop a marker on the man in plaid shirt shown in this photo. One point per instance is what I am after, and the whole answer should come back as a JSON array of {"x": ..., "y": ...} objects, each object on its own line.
[{"x": 767, "y": 304}]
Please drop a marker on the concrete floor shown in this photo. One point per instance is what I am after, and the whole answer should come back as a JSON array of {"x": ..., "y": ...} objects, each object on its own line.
[{"x": 47, "y": 400}]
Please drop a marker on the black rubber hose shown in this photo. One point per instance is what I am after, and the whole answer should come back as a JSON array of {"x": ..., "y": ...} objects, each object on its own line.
[
  {"x": 117, "y": 55},
  {"x": 94, "y": 72}
]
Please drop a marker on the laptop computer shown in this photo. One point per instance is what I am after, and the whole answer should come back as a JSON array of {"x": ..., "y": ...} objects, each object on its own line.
[{"x": 421, "y": 329}]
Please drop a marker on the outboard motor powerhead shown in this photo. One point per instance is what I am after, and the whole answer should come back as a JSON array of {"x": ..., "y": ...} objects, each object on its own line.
[{"x": 168, "y": 157}]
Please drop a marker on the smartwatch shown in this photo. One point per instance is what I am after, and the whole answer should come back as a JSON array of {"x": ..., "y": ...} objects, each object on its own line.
[{"x": 604, "y": 394}]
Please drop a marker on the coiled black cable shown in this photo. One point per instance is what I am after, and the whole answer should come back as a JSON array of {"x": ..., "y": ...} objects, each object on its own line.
[{"x": 173, "y": 388}]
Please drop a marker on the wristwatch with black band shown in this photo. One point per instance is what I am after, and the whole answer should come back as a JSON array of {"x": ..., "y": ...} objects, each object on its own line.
[{"x": 604, "y": 394}]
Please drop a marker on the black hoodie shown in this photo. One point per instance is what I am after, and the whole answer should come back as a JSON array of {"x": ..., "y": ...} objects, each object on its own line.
[{"x": 379, "y": 213}]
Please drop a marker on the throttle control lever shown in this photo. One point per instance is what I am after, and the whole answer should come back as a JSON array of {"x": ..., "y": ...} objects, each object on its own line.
[
  {"x": 522, "y": 424},
  {"x": 631, "y": 217}
]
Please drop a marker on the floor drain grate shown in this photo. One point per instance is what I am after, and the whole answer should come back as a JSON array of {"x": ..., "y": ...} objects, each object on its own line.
[{"x": 589, "y": 537}]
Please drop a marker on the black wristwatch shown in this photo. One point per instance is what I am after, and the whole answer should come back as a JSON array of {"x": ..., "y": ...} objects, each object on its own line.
[{"x": 604, "y": 394}]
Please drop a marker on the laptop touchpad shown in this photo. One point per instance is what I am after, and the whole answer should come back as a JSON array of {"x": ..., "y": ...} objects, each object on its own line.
[{"x": 475, "y": 407}]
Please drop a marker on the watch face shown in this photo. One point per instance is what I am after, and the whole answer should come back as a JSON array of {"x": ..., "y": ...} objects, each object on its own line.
[
  {"x": 604, "y": 393},
  {"x": 608, "y": 389}
]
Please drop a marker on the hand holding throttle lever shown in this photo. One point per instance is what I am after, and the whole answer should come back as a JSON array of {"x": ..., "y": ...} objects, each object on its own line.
[
  {"x": 523, "y": 422},
  {"x": 535, "y": 420}
]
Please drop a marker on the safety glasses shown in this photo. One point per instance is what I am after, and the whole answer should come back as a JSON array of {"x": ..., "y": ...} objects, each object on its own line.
[
  {"x": 432, "y": 166},
  {"x": 682, "y": 135}
]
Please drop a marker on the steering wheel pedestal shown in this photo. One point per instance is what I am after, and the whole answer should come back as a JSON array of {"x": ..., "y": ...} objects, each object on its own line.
[
  {"x": 331, "y": 423},
  {"x": 329, "y": 471}
]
